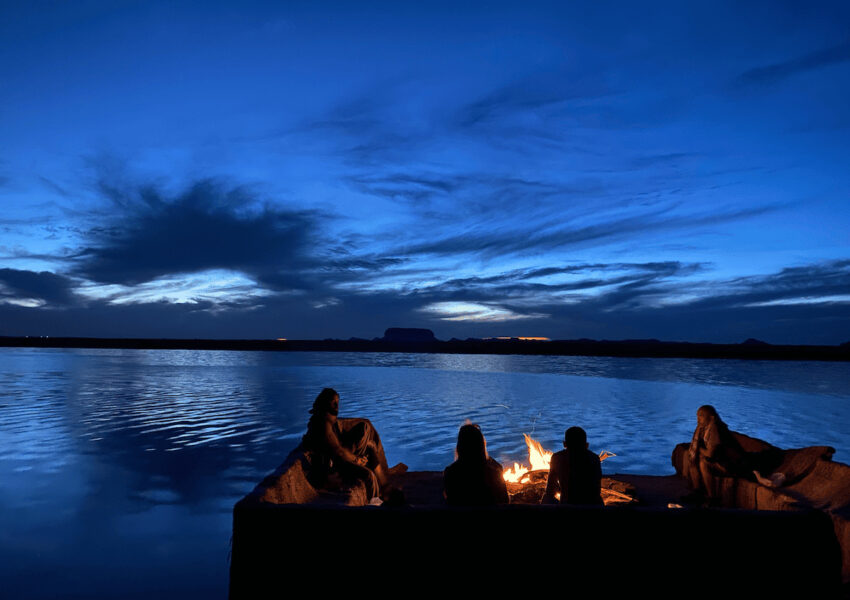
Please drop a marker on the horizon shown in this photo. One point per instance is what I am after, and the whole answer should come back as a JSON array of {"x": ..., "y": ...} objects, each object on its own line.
[
  {"x": 495, "y": 339},
  {"x": 310, "y": 170}
]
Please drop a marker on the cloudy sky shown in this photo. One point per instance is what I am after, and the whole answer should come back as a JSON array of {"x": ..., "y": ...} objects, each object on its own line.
[{"x": 600, "y": 169}]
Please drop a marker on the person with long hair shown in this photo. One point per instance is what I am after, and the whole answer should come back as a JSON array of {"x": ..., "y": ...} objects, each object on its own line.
[
  {"x": 473, "y": 479},
  {"x": 350, "y": 447},
  {"x": 714, "y": 450},
  {"x": 575, "y": 471}
]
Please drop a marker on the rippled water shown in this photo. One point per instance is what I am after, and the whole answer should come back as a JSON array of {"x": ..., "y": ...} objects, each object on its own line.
[{"x": 120, "y": 468}]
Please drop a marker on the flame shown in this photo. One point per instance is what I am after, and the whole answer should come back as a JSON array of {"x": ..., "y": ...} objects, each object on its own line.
[{"x": 539, "y": 458}]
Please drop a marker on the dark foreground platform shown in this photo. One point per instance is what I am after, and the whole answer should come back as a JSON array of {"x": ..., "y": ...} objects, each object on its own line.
[{"x": 527, "y": 550}]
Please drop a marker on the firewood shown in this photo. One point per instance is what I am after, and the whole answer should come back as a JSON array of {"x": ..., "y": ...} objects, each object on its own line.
[{"x": 618, "y": 495}]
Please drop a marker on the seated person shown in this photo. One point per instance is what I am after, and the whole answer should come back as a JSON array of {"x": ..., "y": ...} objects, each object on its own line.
[
  {"x": 714, "y": 451},
  {"x": 575, "y": 471},
  {"x": 353, "y": 450},
  {"x": 474, "y": 479}
]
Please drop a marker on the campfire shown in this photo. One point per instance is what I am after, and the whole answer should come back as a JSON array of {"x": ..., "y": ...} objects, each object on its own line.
[
  {"x": 538, "y": 456},
  {"x": 526, "y": 484}
]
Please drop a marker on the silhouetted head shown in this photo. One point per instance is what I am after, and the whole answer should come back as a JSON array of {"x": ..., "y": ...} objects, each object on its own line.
[
  {"x": 327, "y": 402},
  {"x": 471, "y": 444},
  {"x": 575, "y": 438},
  {"x": 706, "y": 413}
]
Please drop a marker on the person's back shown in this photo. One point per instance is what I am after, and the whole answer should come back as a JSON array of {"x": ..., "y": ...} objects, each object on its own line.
[
  {"x": 474, "y": 479},
  {"x": 575, "y": 471},
  {"x": 472, "y": 483}
]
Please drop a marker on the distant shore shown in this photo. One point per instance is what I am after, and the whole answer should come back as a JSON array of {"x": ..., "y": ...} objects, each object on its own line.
[{"x": 751, "y": 350}]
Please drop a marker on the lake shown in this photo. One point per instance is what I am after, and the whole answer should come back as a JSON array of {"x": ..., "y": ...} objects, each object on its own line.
[{"x": 120, "y": 468}]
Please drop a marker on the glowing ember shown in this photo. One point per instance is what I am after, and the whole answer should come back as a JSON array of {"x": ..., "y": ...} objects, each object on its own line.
[{"x": 539, "y": 458}]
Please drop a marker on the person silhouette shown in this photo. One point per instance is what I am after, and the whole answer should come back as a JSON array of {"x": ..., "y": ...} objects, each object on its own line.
[
  {"x": 575, "y": 471},
  {"x": 473, "y": 479},
  {"x": 716, "y": 452},
  {"x": 713, "y": 450},
  {"x": 351, "y": 447}
]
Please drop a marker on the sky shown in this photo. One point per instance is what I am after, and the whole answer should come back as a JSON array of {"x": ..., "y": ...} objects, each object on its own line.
[{"x": 606, "y": 170}]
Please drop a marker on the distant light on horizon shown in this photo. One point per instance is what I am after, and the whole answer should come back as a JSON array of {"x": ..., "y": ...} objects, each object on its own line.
[{"x": 522, "y": 338}]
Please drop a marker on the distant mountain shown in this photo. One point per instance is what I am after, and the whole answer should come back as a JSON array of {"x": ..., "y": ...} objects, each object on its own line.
[{"x": 408, "y": 334}]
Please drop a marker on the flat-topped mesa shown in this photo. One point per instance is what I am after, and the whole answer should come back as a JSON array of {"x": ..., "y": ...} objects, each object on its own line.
[{"x": 408, "y": 334}]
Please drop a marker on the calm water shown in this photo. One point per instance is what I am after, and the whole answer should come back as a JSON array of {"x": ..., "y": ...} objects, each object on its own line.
[{"x": 119, "y": 468}]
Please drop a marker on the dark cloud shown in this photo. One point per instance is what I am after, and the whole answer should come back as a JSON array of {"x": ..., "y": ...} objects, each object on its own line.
[
  {"x": 371, "y": 130},
  {"x": 538, "y": 94},
  {"x": 149, "y": 235},
  {"x": 55, "y": 187},
  {"x": 516, "y": 284},
  {"x": 778, "y": 72},
  {"x": 449, "y": 198},
  {"x": 417, "y": 188},
  {"x": 49, "y": 287},
  {"x": 506, "y": 101},
  {"x": 807, "y": 283},
  {"x": 208, "y": 226},
  {"x": 362, "y": 263},
  {"x": 502, "y": 242},
  {"x": 657, "y": 289}
]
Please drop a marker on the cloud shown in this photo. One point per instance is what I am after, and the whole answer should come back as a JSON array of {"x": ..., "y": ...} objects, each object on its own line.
[
  {"x": 778, "y": 72},
  {"x": 537, "y": 239},
  {"x": 472, "y": 194},
  {"x": 17, "y": 286},
  {"x": 819, "y": 282},
  {"x": 538, "y": 95},
  {"x": 208, "y": 226},
  {"x": 416, "y": 188},
  {"x": 55, "y": 187},
  {"x": 477, "y": 312},
  {"x": 516, "y": 284},
  {"x": 197, "y": 242},
  {"x": 633, "y": 300},
  {"x": 802, "y": 284}
]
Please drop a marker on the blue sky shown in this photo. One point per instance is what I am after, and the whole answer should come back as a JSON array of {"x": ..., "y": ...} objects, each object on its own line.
[{"x": 310, "y": 170}]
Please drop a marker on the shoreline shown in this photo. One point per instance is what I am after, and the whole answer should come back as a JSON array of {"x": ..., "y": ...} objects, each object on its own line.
[{"x": 604, "y": 348}]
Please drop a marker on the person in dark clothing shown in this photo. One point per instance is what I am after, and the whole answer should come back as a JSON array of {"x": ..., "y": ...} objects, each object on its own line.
[
  {"x": 350, "y": 447},
  {"x": 474, "y": 479},
  {"x": 575, "y": 471}
]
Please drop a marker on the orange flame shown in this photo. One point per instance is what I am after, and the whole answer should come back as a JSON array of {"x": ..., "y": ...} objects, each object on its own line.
[{"x": 539, "y": 458}]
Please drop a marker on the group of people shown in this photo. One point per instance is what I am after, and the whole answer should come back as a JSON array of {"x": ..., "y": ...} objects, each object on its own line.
[
  {"x": 475, "y": 479},
  {"x": 353, "y": 449}
]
